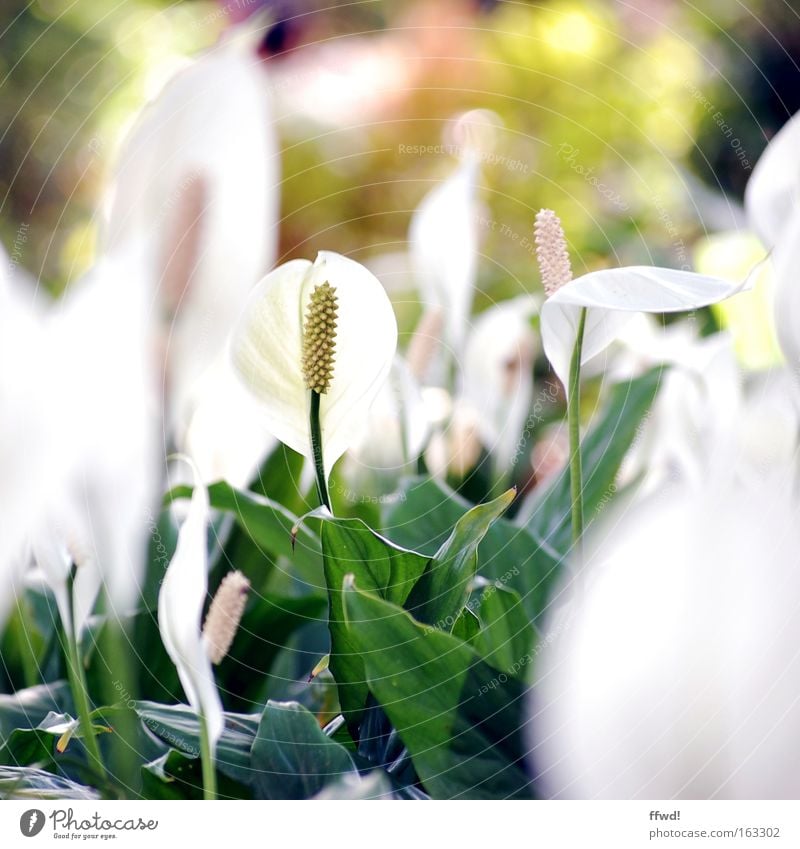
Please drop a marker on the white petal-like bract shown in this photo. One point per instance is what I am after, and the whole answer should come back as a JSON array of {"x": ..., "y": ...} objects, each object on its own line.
[{"x": 267, "y": 351}]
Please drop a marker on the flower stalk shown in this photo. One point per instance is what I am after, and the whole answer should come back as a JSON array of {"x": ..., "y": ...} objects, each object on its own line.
[
  {"x": 319, "y": 335},
  {"x": 207, "y": 761},
  {"x": 552, "y": 255},
  {"x": 574, "y": 427},
  {"x": 78, "y": 685},
  {"x": 316, "y": 450}
]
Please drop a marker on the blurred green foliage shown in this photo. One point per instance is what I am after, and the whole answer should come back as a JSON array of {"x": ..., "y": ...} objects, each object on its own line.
[{"x": 602, "y": 107}]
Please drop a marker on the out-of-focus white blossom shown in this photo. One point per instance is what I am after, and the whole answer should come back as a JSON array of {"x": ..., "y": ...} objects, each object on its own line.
[
  {"x": 444, "y": 231},
  {"x": 497, "y": 377},
  {"x": 180, "y": 610},
  {"x": 675, "y": 674},
  {"x": 198, "y": 178}
]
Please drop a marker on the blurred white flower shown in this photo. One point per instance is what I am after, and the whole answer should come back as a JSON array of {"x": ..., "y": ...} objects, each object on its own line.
[
  {"x": 675, "y": 674},
  {"x": 443, "y": 234},
  {"x": 198, "y": 177},
  {"x": 772, "y": 195},
  {"x": 180, "y": 610},
  {"x": 33, "y": 463},
  {"x": 455, "y": 449},
  {"x": 224, "y": 436},
  {"x": 267, "y": 350},
  {"x": 497, "y": 378},
  {"x": 55, "y": 558},
  {"x": 104, "y": 416},
  {"x": 772, "y": 201},
  {"x": 395, "y": 429}
]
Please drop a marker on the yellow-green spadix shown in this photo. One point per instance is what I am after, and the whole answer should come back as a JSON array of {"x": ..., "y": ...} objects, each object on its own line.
[{"x": 326, "y": 326}]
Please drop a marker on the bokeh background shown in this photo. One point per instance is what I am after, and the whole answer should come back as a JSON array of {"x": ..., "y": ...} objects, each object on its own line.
[{"x": 639, "y": 122}]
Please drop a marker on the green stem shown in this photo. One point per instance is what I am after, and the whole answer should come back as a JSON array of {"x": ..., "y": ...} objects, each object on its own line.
[
  {"x": 207, "y": 761},
  {"x": 27, "y": 655},
  {"x": 574, "y": 424},
  {"x": 77, "y": 681},
  {"x": 120, "y": 678},
  {"x": 316, "y": 450}
]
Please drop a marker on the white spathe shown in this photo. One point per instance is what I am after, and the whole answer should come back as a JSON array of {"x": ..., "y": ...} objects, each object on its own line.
[
  {"x": 180, "y": 610},
  {"x": 612, "y": 297},
  {"x": 105, "y": 416},
  {"x": 444, "y": 249},
  {"x": 675, "y": 673},
  {"x": 772, "y": 195},
  {"x": 198, "y": 177},
  {"x": 55, "y": 548},
  {"x": 267, "y": 351},
  {"x": 497, "y": 379},
  {"x": 224, "y": 436}
]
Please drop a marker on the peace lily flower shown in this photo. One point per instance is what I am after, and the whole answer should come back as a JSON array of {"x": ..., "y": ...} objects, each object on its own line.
[
  {"x": 75, "y": 596},
  {"x": 772, "y": 195},
  {"x": 314, "y": 346},
  {"x": 675, "y": 673},
  {"x": 198, "y": 179},
  {"x": 31, "y": 457},
  {"x": 444, "y": 230},
  {"x": 393, "y": 435},
  {"x": 498, "y": 376},
  {"x": 180, "y": 609},
  {"x": 105, "y": 418},
  {"x": 610, "y": 298},
  {"x": 772, "y": 201}
]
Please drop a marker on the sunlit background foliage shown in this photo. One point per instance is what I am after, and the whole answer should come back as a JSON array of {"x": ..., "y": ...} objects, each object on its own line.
[{"x": 611, "y": 114}]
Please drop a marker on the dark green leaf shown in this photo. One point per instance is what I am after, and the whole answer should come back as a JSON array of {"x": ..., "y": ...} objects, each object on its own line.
[
  {"x": 267, "y": 523},
  {"x": 28, "y": 783},
  {"x": 292, "y": 757},
  {"x": 178, "y": 727},
  {"x": 467, "y": 625},
  {"x": 461, "y": 720},
  {"x": 547, "y": 515},
  {"x": 506, "y": 636},
  {"x": 265, "y": 629},
  {"x": 176, "y": 775},
  {"x": 27, "y": 708},
  {"x": 442, "y": 591},
  {"x": 380, "y": 566},
  {"x": 423, "y": 517}
]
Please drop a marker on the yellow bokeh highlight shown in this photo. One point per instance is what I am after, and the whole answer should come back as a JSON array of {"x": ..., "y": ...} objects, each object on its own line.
[
  {"x": 748, "y": 317},
  {"x": 571, "y": 31},
  {"x": 78, "y": 250}
]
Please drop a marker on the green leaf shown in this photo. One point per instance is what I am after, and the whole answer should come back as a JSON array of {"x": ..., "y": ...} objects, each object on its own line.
[
  {"x": 292, "y": 757},
  {"x": 350, "y": 546},
  {"x": 27, "y": 783},
  {"x": 547, "y": 515},
  {"x": 461, "y": 721},
  {"x": 267, "y": 523},
  {"x": 279, "y": 479},
  {"x": 28, "y": 707},
  {"x": 175, "y": 775},
  {"x": 266, "y": 627},
  {"x": 179, "y": 728},
  {"x": 506, "y": 636},
  {"x": 424, "y": 515},
  {"x": 467, "y": 625},
  {"x": 442, "y": 591}
]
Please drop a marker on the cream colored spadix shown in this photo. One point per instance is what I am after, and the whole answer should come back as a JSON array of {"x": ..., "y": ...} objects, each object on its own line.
[{"x": 269, "y": 354}]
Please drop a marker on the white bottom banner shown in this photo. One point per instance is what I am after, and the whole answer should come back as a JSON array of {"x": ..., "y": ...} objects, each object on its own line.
[{"x": 382, "y": 825}]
